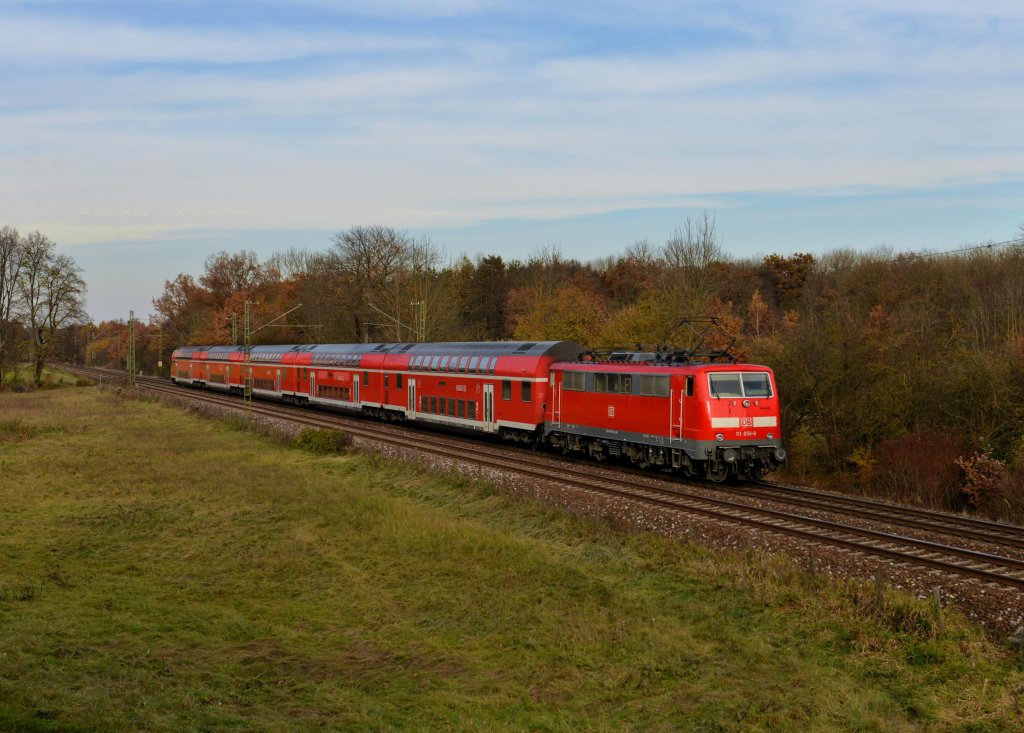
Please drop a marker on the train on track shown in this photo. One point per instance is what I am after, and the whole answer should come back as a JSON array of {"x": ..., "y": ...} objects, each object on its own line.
[{"x": 703, "y": 419}]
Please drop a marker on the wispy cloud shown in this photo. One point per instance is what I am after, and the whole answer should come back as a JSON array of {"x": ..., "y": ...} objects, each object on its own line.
[
  {"x": 50, "y": 42},
  {"x": 327, "y": 113}
]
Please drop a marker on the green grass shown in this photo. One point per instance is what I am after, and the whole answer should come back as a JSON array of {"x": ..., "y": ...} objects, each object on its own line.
[
  {"x": 52, "y": 378},
  {"x": 160, "y": 571}
]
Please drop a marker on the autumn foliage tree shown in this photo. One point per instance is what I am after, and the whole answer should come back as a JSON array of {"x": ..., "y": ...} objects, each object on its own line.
[{"x": 891, "y": 367}]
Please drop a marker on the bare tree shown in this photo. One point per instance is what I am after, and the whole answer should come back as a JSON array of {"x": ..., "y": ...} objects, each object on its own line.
[
  {"x": 685, "y": 280},
  {"x": 294, "y": 262},
  {"x": 430, "y": 280},
  {"x": 52, "y": 296},
  {"x": 370, "y": 261},
  {"x": 693, "y": 248},
  {"x": 11, "y": 261}
]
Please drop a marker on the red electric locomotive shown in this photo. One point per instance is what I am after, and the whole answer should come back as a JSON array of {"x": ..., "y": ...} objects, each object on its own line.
[
  {"x": 716, "y": 421},
  {"x": 711, "y": 420}
]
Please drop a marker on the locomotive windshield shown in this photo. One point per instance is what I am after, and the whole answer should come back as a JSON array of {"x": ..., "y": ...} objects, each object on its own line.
[
  {"x": 756, "y": 385},
  {"x": 740, "y": 384}
]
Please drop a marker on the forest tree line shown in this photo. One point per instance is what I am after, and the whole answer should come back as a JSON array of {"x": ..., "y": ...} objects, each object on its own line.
[{"x": 900, "y": 373}]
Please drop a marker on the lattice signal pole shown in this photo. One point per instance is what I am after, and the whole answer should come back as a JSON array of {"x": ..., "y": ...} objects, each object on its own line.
[
  {"x": 247, "y": 368},
  {"x": 131, "y": 348},
  {"x": 248, "y": 346},
  {"x": 420, "y": 320}
]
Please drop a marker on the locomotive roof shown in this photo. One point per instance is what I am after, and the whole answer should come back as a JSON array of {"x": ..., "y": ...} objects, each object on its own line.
[{"x": 626, "y": 367}]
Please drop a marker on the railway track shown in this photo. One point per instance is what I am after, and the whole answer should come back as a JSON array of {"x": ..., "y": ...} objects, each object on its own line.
[
  {"x": 982, "y": 530},
  {"x": 989, "y": 567}
]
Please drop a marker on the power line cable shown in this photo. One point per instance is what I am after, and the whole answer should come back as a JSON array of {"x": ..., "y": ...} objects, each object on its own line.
[{"x": 1016, "y": 242}]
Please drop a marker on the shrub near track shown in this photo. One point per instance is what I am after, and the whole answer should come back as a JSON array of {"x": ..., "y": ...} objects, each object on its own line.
[{"x": 160, "y": 571}]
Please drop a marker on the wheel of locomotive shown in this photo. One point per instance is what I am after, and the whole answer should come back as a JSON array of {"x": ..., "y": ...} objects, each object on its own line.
[{"x": 718, "y": 471}]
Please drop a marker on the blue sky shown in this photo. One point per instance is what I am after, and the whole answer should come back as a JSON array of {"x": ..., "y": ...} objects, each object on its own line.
[{"x": 142, "y": 136}]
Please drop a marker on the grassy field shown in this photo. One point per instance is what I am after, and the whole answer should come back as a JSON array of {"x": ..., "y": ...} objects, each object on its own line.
[{"x": 160, "y": 571}]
